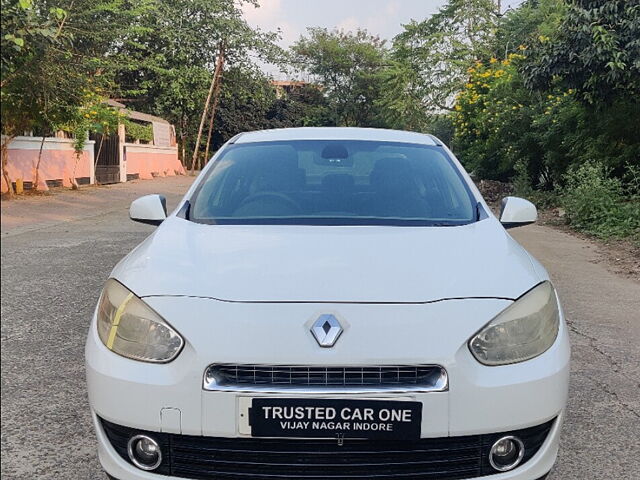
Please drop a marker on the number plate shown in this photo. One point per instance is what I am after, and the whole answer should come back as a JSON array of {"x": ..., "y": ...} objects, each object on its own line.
[{"x": 335, "y": 418}]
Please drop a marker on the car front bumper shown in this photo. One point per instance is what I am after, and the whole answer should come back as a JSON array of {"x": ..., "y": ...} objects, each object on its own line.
[
  {"x": 205, "y": 457},
  {"x": 479, "y": 400}
]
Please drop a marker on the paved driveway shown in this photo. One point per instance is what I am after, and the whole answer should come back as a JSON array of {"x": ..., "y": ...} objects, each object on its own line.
[{"x": 58, "y": 250}]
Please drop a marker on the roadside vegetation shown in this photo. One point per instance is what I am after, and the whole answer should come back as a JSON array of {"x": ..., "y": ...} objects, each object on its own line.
[
  {"x": 545, "y": 96},
  {"x": 558, "y": 113}
]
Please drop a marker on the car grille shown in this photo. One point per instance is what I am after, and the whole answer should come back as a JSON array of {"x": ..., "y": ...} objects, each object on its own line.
[
  {"x": 427, "y": 377},
  {"x": 212, "y": 458}
]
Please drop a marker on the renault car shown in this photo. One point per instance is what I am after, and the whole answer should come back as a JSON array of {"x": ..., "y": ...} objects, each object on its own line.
[{"x": 329, "y": 303}]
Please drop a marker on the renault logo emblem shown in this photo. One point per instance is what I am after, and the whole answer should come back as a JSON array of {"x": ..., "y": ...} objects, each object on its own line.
[{"x": 326, "y": 330}]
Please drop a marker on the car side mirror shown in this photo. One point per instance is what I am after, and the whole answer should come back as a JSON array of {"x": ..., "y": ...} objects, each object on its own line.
[
  {"x": 516, "y": 212},
  {"x": 150, "y": 209}
]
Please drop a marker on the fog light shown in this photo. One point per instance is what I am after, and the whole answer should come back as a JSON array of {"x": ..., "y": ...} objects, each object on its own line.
[
  {"x": 506, "y": 454},
  {"x": 144, "y": 452}
]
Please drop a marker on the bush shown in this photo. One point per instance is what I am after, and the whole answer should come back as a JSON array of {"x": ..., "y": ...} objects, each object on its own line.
[
  {"x": 138, "y": 131},
  {"x": 598, "y": 204},
  {"x": 522, "y": 187},
  {"x": 522, "y": 180}
]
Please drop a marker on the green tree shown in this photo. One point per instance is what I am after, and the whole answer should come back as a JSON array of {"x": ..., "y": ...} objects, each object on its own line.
[
  {"x": 595, "y": 51},
  {"x": 525, "y": 25},
  {"x": 171, "y": 51},
  {"x": 249, "y": 102},
  {"x": 45, "y": 80},
  {"x": 348, "y": 66},
  {"x": 505, "y": 126},
  {"x": 302, "y": 106},
  {"x": 431, "y": 58},
  {"x": 59, "y": 62},
  {"x": 245, "y": 99}
]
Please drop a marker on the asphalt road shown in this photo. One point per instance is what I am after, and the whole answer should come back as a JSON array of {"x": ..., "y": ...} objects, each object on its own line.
[{"x": 58, "y": 250}]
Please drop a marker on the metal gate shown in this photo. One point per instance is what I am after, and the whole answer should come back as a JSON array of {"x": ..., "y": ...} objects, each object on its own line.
[{"x": 108, "y": 160}]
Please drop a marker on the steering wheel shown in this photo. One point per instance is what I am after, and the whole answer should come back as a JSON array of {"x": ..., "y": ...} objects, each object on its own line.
[{"x": 281, "y": 197}]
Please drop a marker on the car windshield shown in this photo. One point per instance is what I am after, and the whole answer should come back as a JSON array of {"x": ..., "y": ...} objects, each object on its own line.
[{"x": 330, "y": 182}]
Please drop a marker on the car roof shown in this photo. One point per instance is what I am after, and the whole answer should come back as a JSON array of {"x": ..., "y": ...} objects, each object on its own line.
[{"x": 336, "y": 133}]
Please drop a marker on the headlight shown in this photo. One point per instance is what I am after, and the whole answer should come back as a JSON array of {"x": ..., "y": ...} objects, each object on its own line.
[
  {"x": 522, "y": 331},
  {"x": 129, "y": 327}
]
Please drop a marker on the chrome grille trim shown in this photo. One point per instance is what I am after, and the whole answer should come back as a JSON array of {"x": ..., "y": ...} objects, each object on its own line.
[{"x": 314, "y": 379}]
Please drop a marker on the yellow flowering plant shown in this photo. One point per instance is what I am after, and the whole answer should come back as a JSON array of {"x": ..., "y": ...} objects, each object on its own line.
[
  {"x": 94, "y": 115},
  {"x": 495, "y": 116}
]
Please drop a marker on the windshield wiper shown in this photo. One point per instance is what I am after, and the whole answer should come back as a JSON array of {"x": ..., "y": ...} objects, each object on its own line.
[{"x": 332, "y": 221}]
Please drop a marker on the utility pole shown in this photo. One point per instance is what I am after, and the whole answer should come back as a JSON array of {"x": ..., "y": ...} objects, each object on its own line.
[
  {"x": 206, "y": 109},
  {"x": 216, "y": 98}
]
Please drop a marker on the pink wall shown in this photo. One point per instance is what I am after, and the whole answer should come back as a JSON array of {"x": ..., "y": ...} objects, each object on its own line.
[
  {"x": 161, "y": 163},
  {"x": 59, "y": 160},
  {"x": 55, "y": 165}
]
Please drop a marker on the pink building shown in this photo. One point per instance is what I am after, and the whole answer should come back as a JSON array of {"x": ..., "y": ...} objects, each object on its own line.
[{"x": 112, "y": 159}]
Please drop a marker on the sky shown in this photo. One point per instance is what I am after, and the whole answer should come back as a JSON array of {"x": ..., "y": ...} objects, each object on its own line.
[{"x": 382, "y": 17}]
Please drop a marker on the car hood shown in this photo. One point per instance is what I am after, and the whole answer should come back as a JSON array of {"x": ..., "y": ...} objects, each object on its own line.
[{"x": 367, "y": 264}]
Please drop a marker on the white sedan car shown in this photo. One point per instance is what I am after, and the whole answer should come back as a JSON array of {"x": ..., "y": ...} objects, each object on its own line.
[{"x": 329, "y": 303}]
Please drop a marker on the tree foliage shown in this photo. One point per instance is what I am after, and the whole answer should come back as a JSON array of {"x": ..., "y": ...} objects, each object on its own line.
[
  {"x": 37, "y": 87},
  {"x": 596, "y": 50},
  {"x": 348, "y": 65},
  {"x": 562, "y": 112},
  {"x": 156, "y": 55},
  {"x": 169, "y": 57},
  {"x": 249, "y": 102},
  {"x": 58, "y": 56},
  {"x": 432, "y": 57},
  {"x": 52, "y": 72}
]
